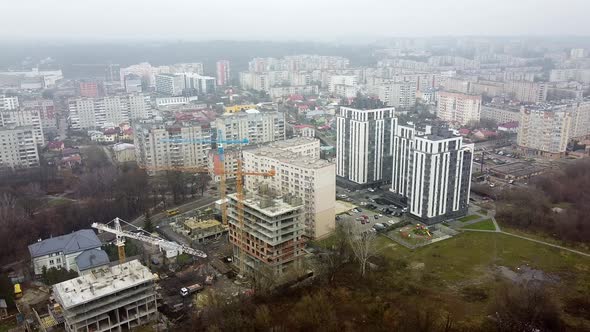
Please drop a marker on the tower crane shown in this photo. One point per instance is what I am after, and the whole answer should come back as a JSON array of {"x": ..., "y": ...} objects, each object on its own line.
[{"x": 161, "y": 243}]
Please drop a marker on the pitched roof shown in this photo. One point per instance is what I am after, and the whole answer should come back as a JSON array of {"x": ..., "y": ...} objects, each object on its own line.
[
  {"x": 81, "y": 240},
  {"x": 91, "y": 258}
]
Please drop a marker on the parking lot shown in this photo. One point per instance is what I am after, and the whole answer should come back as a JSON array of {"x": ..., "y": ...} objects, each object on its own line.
[{"x": 371, "y": 209}]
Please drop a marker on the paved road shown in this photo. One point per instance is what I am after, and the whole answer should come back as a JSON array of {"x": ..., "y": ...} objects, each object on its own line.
[{"x": 159, "y": 217}]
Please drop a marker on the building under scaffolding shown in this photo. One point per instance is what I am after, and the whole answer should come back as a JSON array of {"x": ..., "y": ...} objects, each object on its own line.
[
  {"x": 116, "y": 298},
  {"x": 272, "y": 231}
]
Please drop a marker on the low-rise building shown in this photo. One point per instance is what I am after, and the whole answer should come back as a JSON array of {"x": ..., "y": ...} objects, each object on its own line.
[
  {"x": 62, "y": 251},
  {"x": 117, "y": 298},
  {"x": 200, "y": 230}
]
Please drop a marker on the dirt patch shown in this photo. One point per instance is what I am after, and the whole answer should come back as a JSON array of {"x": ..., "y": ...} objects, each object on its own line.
[
  {"x": 417, "y": 265},
  {"x": 525, "y": 274}
]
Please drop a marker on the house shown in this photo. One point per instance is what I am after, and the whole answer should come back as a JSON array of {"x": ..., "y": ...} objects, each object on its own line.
[
  {"x": 61, "y": 251},
  {"x": 484, "y": 134},
  {"x": 55, "y": 146},
  {"x": 71, "y": 161},
  {"x": 464, "y": 132},
  {"x": 509, "y": 127},
  {"x": 124, "y": 152},
  {"x": 90, "y": 260}
]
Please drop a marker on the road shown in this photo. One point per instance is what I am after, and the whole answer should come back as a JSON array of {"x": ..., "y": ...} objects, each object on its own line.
[{"x": 159, "y": 217}]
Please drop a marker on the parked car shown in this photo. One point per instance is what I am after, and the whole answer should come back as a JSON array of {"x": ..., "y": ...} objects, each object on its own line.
[{"x": 376, "y": 216}]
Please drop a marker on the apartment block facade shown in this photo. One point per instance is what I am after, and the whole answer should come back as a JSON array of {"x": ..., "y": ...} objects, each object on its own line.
[
  {"x": 544, "y": 130},
  {"x": 500, "y": 113},
  {"x": 432, "y": 172},
  {"x": 301, "y": 172},
  {"x": 88, "y": 113},
  {"x": 460, "y": 108},
  {"x": 160, "y": 145},
  {"x": 23, "y": 117},
  {"x": 525, "y": 91},
  {"x": 364, "y": 144},
  {"x": 398, "y": 94},
  {"x": 18, "y": 148},
  {"x": 256, "y": 126}
]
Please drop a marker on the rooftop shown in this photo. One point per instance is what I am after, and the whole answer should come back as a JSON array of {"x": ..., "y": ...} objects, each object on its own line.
[
  {"x": 195, "y": 224},
  {"x": 92, "y": 258},
  {"x": 103, "y": 282},
  {"x": 269, "y": 206},
  {"x": 289, "y": 157},
  {"x": 81, "y": 240}
]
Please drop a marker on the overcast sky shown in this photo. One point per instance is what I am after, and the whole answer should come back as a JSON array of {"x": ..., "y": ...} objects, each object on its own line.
[{"x": 283, "y": 19}]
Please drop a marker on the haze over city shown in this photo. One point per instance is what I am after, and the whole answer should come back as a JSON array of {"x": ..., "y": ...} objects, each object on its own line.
[{"x": 280, "y": 20}]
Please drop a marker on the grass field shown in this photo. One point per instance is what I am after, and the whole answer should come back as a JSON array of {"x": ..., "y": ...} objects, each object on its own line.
[
  {"x": 485, "y": 225},
  {"x": 469, "y": 254},
  {"x": 469, "y": 218}
]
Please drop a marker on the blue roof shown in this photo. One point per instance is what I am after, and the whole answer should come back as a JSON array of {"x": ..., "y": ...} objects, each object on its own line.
[
  {"x": 81, "y": 240},
  {"x": 91, "y": 258}
]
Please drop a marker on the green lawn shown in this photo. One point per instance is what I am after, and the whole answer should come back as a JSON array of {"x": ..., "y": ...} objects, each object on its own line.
[
  {"x": 486, "y": 225},
  {"x": 469, "y": 218},
  {"x": 472, "y": 255}
]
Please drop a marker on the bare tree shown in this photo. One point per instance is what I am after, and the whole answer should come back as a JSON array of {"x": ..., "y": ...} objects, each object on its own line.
[{"x": 362, "y": 244}]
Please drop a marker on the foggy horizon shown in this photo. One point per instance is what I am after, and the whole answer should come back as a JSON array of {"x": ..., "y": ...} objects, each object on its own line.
[{"x": 263, "y": 20}]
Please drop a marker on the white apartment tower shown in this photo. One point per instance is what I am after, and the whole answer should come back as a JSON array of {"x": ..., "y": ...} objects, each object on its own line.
[
  {"x": 170, "y": 84},
  {"x": 364, "y": 144},
  {"x": 160, "y": 145},
  {"x": 301, "y": 172},
  {"x": 460, "y": 108},
  {"x": 398, "y": 94},
  {"x": 23, "y": 117},
  {"x": 432, "y": 173}
]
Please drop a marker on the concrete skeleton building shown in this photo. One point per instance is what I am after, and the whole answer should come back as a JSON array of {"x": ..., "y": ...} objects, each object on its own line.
[
  {"x": 272, "y": 232},
  {"x": 364, "y": 145},
  {"x": 460, "y": 108},
  {"x": 256, "y": 126},
  {"x": 300, "y": 172},
  {"x": 117, "y": 298},
  {"x": 18, "y": 149},
  {"x": 431, "y": 172},
  {"x": 86, "y": 113},
  {"x": 63, "y": 252},
  {"x": 161, "y": 144}
]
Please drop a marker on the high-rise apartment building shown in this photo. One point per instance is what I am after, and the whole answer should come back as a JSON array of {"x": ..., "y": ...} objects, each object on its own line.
[
  {"x": 160, "y": 145},
  {"x": 363, "y": 150},
  {"x": 271, "y": 234},
  {"x": 133, "y": 83},
  {"x": 223, "y": 73},
  {"x": 117, "y": 298},
  {"x": 341, "y": 80},
  {"x": 525, "y": 91},
  {"x": 458, "y": 108},
  {"x": 19, "y": 148},
  {"x": 8, "y": 103},
  {"x": 256, "y": 126},
  {"x": 501, "y": 113},
  {"x": 432, "y": 172},
  {"x": 46, "y": 110},
  {"x": 24, "y": 117},
  {"x": 544, "y": 130},
  {"x": 195, "y": 83},
  {"x": 300, "y": 172},
  {"x": 580, "y": 118},
  {"x": 398, "y": 94},
  {"x": 170, "y": 84},
  {"x": 96, "y": 112}
]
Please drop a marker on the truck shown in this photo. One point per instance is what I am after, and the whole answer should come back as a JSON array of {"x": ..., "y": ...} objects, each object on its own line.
[{"x": 185, "y": 291}]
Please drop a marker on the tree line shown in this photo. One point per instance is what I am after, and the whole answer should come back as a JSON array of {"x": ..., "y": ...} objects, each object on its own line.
[{"x": 555, "y": 203}]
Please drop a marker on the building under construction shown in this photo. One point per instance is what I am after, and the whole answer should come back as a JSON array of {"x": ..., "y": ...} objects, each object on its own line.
[
  {"x": 116, "y": 298},
  {"x": 268, "y": 233}
]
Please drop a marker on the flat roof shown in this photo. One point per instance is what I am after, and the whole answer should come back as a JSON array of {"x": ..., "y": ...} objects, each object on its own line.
[
  {"x": 289, "y": 157},
  {"x": 101, "y": 283},
  {"x": 277, "y": 205},
  {"x": 193, "y": 223}
]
